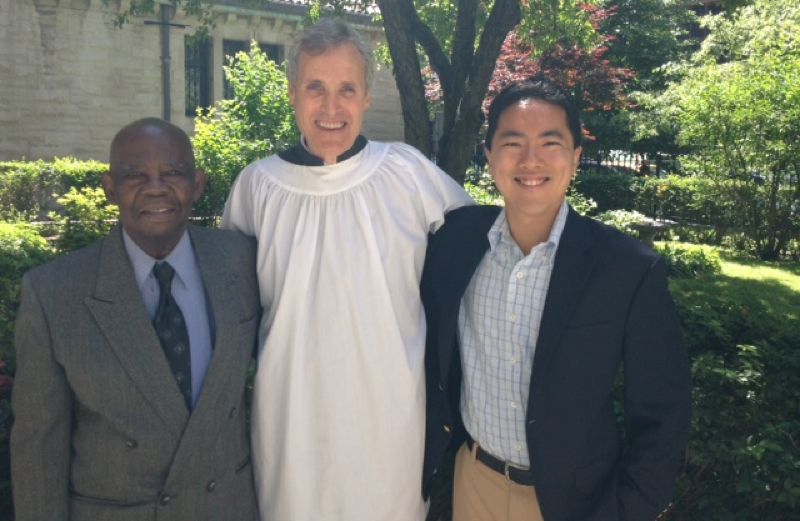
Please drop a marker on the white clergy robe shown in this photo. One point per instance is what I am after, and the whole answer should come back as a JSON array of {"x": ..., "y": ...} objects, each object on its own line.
[{"x": 339, "y": 403}]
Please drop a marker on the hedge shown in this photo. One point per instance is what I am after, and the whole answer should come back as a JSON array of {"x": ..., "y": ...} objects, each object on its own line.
[{"x": 28, "y": 190}]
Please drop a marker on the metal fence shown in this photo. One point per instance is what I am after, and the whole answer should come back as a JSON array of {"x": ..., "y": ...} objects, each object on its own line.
[{"x": 631, "y": 163}]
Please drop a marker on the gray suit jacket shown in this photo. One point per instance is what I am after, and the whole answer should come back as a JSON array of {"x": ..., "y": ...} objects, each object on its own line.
[{"x": 101, "y": 430}]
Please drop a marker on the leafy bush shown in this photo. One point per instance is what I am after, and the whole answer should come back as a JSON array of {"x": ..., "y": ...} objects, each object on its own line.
[
  {"x": 480, "y": 186},
  {"x": 28, "y": 190},
  {"x": 691, "y": 201},
  {"x": 743, "y": 460},
  {"x": 483, "y": 195},
  {"x": 21, "y": 248},
  {"x": 582, "y": 204},
  {"x": 623, "y": 220},
  {"x": 689, "y": 260},
  {"x": 610, "y": 191},
  {"x": 257, "y": 122},
  {"x": 86, "y": 217}
]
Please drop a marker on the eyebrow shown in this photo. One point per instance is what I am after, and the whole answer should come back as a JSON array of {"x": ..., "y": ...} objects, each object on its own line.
[
  {"x": 517, "y": 134},
  {"x": 510, "y": 134},
  {"x": 552, "y": 133},
  {"x": 133, "y": 166}
]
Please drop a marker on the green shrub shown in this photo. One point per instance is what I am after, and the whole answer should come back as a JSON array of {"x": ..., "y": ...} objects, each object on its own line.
[
  {"x": 28, "y": 190},
  {"x": 690, "y": 200},
  {"x": 21, "y": 248},
  {"x": 582, "y": 204},
  {"x": 86, "y": 217},
  {"x": 689, "y": 260},
  {"x": 743, "y": 460},
  {"x": 623, "y": 220},
  {"x": 483, "y": 195},
  {"x": 609, "y": 191},
  {"x": 257, "y": 122}
]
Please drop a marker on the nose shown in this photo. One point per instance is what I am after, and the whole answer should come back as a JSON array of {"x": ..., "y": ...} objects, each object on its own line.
[
  {"x": 155, "y": 182},
  {"x": 530, "y": 157},
  {"x": 329, "y": 103}
]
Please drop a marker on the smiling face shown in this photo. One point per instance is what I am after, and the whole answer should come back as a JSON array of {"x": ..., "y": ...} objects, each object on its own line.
[
  {"x": 330, "y": 98},
  {"x": 532, "y": 160},
  {"x": 153, "y": 181}
]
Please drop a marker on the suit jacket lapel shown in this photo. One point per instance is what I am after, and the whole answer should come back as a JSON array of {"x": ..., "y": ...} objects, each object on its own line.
[
  {"x": 572, "y": 269},
  {"x": 225, "y": 302},
  {"x": 118, "y": 308},
  {"x": 224, "y": 375},
  {"x": 465, "y": 254}
]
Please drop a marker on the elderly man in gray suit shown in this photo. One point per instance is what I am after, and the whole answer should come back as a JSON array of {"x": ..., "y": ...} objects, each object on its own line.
[{"x": 132, "y": 356}]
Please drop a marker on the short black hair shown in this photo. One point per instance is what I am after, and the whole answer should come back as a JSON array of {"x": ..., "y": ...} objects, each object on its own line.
[
  {"x": 168, "y": 128},
  {"x": 537, "y": 89}
]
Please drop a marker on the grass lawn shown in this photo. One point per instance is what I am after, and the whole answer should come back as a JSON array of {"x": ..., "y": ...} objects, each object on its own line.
[
  {"x": 766, "y": 294},
  {"x": 785, "y": 273}
]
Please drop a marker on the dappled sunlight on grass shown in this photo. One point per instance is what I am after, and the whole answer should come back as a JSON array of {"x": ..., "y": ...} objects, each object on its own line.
[
  {"x": 785, "y": 273},
  {"x": 765, "y": 296}
]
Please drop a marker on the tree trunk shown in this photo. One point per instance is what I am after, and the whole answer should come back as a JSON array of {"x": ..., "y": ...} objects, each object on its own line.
[
  {"x": 464, "y": 78},
  {"x": 407, "y": 73},
  {"x": 458, "y": 143}
]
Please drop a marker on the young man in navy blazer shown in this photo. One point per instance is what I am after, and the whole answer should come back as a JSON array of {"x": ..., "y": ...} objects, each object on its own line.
[{"x": 533, "y": 311}]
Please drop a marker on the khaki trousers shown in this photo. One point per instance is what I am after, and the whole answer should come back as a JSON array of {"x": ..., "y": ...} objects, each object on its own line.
[{"x": 481, "y": 494}]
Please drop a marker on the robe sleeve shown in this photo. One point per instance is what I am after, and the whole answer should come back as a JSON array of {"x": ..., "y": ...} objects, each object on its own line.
[
  {"x": 438, "y": 191},
  {"x": 239, "y": 212}
]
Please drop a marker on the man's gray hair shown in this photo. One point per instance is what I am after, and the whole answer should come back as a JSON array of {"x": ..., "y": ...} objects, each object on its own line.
[{"x": 324, "y": 35}]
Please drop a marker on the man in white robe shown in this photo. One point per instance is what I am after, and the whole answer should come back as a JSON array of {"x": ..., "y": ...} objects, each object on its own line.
[{"x": 342, "y": 226}]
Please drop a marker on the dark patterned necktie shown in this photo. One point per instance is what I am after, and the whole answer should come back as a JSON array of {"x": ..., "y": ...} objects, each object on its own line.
[{"x": 171, "y": 330}]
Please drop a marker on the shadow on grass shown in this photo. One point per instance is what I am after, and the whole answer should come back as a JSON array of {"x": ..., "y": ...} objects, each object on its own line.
[
  {"x": 738, "y": 310},
  {"x": 792, "y": 267}
]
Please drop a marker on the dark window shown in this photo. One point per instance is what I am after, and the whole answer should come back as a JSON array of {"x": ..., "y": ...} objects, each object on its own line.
[
  {"x": 231, "y": 47},
  {"x": 198, "y": 77}
]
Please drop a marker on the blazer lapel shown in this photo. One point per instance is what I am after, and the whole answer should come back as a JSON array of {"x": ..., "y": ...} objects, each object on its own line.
[
  {"x": 465, "y": 254},
  {"x": 118, "y": 308},
  {"x": 224, "y": 375},
  {"x": 572, "y": 270}
]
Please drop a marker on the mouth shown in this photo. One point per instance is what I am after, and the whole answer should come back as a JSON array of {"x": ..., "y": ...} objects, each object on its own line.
[
  {"x": 157, "y": 212},
  {"x": 330, "y": 125},
  {"x": 531, "y": 182}
]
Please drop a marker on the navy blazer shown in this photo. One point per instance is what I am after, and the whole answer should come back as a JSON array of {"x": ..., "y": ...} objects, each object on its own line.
[{"x": 607, "y": 308}]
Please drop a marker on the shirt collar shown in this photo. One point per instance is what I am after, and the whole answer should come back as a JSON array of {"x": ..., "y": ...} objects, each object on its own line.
[
  {"x": 499, "y": 233},
  {"x": 300, "y": 155},
  {"x": 181, "y": 258}
]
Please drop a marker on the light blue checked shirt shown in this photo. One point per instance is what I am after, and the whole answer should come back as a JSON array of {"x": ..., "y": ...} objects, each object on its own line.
[{"x": 498, "y": 324}]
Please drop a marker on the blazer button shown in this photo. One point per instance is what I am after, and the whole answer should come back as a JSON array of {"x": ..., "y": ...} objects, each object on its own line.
[
  {"x": 131, "y": 444},
  {"x": 165, "y": 499},
  {"x": 441, "y": 386},
  {"x": 446, "y": 428},
  {"x": 211, "y": 485},
  {"x": 232, "y": 413}
]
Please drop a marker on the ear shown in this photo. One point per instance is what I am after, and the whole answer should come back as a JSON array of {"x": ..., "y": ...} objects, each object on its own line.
[
  {"x": 576, "y": 159},
  {"x": 488, "y": 153},
  {"x": 291, "y": 93},
  {"x": 368, "y": 100},
  {"x": 108, "y": 187},
  {"x": 199, "y": 185}
]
